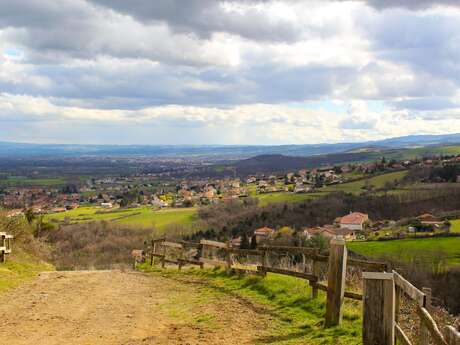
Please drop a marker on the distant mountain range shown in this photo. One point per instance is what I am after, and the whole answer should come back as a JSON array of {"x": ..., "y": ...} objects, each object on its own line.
[{"x": 222, "y": 152}]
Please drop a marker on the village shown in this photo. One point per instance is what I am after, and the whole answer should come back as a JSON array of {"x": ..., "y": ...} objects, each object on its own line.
[
  {"x": 351, "y": 227},
  {"x": 150, "y": 189}
]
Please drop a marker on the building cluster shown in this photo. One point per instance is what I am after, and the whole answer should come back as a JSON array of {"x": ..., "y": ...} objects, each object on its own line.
[
  {"x": 158, "y": 191},
  {"x": 350, "y": 227}
]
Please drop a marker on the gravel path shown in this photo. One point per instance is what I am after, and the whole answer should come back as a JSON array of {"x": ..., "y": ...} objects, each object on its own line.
[{"x": 124, "y": 308}]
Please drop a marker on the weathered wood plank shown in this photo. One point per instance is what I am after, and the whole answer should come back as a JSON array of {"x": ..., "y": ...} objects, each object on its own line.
[
  {"x": 213, "y": 262},
  {"x": 169, "y": 261},
  {"x": 316, "y": 272},
  {"x": 410, "y": 289},
  {"x": 238, "y": 251},
  {"x": 171, "y": 244},
  {"x": 310, "y": 252},
  {"x": 302, "y": 275},
  {"x": 401, "y": 336},
  {"x": 378, "y": 310},
  {"x": 431, "y": 326},
  {"x": 336, "y": 282},
  {"x": 214, "y": 244},
  {"x": 347, "y": 294}
]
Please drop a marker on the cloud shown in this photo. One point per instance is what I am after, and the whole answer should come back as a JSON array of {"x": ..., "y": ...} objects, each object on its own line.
[
  {"x": 254, "y": 20},
  {"x": 193, "y": 68},
  {"x": 411, "y": 4}
]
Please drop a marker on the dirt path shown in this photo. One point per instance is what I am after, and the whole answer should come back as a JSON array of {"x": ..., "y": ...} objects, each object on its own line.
[{"x": 112, "y": 307}]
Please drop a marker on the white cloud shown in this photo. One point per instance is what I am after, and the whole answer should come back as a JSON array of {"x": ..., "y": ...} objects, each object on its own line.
[{"x": 227, "y": 71}]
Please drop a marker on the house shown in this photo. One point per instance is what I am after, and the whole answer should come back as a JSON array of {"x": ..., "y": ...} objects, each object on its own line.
[
  {"x": 429, "y": 219},
  {"x": 354, "y": 221},
  {"x": 323, "y": 231},
  {"x": 330, "y": 232},
  {"x": 236, "y": 242},
  {"x": 262, "y": 234}
]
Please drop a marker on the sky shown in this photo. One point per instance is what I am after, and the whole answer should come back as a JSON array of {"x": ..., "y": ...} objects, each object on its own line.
[{"x": 227, "y": 72}]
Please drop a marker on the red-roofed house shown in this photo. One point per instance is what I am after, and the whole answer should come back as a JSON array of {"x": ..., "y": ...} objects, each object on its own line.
[
  {"x": 354, "y": 221},
  {"x": 263, "y": 234},
  {"x": 329, "y": 231}
]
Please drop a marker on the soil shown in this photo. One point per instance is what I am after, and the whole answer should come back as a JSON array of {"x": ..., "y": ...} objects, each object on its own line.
[{"x": 125, "y": 308}]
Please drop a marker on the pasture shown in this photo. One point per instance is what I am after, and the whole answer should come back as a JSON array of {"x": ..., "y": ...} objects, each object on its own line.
[
  {"x": 455, "y": 227},
  {"x": 357, "y": 186},
  {"x": 141, "y": 216},
  {"x": 429, "y": 250},
  {"x": 354, "y": 187}
]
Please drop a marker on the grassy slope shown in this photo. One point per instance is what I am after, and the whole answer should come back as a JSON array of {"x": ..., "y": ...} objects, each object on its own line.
[
  {"x": 455, "y": 225},
  {"x": 142, "y": 216},
  {"x": 356, "y": 186},
  {"x": 18, "y": 268},
  {"x": 409, "y": 249},
  {"x": 297, "y": 319},
  {"x": 350, "y": 187}
]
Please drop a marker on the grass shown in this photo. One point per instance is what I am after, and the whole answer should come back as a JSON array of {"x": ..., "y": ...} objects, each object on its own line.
[
  {"x": 357, "y": 186},
  {"x": 455, "y": 225},
  {"x": 354, "y": 187},
  {"x": 296, "y": 318},
  {"x": 26, "y": 182},
  {"x": 426, "y": 249},
  {"x": 19, "y": 268},
  {"x": 141, "y": 216}
]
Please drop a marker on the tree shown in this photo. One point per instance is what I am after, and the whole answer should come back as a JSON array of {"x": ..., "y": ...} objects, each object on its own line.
[
  {"x": 253, "y": 242},
  {"x": 245, "y": 242},
  {"x": 30, "y": 216}
]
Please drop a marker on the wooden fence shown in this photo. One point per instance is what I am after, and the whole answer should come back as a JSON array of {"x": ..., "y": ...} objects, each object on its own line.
[
  {"x": 5, "y": 245},
  {"x": 382, "y": 290}
]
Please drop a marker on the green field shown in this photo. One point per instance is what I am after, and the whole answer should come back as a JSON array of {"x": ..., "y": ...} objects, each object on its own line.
[
  {"x": 423, "y": 249},
  {"x": 455, "y": 225},
  {"x": 354, "y": 187},
  {"x": 357, "y": 186},
  {"x": 141, "y": 216},
  {"x": 28, "y": 182}
]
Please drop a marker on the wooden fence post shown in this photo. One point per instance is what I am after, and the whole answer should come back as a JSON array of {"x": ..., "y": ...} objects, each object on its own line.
[
  {"x": 316, "y": 272},
  {"x": 336, "y": 281},
  {"x": 228, "y": 256},
  {"x": 2, "y": 247},
  {"x": 378, "y": 308},
  {"x": 163, "y": 259},
  {"x": 152, "y": 251},
  {"x": 424, "y": 331}
]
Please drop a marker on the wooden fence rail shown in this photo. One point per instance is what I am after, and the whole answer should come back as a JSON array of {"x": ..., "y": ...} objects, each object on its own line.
[
  {"x": 5, "y": 245},
  {"x": 381, "y": 295}
]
